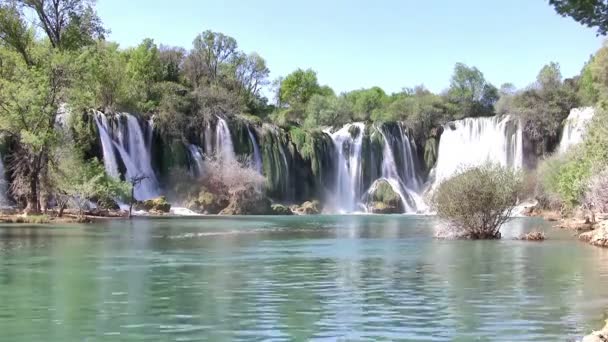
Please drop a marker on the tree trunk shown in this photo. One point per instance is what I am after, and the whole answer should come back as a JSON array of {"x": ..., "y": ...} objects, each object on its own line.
[
  {"x": 132, "y": 200},
  {"x": 61, "y": 209},
  {"x": 32, "y": 198}
]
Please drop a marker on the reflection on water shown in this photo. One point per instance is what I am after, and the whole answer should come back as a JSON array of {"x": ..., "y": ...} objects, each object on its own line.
[{"x": 294, "y": 278}]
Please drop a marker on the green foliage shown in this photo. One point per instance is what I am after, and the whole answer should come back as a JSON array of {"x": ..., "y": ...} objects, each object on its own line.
[
  {"x": 299, "y": 87},
  {"x": 80, "y": 181},
  {"x": 366, "y": 102},
  {"x": 470, "y": 94},
  {"x": 589, "y": 13},
  {"x": 478, "y": 201}
]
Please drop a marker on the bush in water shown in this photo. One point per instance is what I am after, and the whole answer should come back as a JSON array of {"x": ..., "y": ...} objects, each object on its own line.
[{"x": 477, "y": 202}]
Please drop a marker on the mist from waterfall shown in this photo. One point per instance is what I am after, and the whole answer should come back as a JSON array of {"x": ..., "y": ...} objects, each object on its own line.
[
  {"x": 473, "y": 142},
  {"x": 130, "y": 142},
  {"x": 575, "y": 127}
]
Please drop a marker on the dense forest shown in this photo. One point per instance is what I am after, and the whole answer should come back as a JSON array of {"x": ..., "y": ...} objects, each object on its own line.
[{"x": 61, "y": 63}]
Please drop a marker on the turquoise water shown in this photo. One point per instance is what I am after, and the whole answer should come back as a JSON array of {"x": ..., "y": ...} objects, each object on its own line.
[{"x": 320, "y": 278}]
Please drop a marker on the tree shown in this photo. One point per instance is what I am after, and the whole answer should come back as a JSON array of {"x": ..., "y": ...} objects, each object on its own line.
[
  {"x": 14, "y": 31},
  {"x": 211, "y": 51},
  {"x": 327, "y": 111},
  {"x": 134, "y": 182},
  {"x": 366, "y": 101},
  {"x": 68, "y": 24},
  {"x": 298, "y": 87},
  {"x": 470, "y": 93},
  {"x": 29, "y": 102},
  {"x": 591, "y": 13},
  {"x": 478, "y": 201}
]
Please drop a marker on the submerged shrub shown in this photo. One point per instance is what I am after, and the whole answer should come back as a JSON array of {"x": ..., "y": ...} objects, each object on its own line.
[{"x": 478, "y": 201}]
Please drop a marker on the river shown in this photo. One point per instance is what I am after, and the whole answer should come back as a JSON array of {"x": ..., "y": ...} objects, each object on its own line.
[{"x": 294, "y": 278}]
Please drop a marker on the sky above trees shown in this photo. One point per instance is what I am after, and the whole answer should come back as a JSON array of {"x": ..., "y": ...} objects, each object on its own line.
[{"x": 356, "y": 44}]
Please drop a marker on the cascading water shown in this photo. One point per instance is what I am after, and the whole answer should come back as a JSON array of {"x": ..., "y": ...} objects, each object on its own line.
[
  {"x": 223, "y": 141},
  {"x": 257, "y": 156},
  {"x": 197, "y": 158},
  {"x": 575, "y": 127},
  {"x": 475, "y": 141},
  {"x": 404, "y": 183},
  {"x": 133, "y": 152},
  {"x": 107, "y": 145},
  {"x": 348, "y": 168}
]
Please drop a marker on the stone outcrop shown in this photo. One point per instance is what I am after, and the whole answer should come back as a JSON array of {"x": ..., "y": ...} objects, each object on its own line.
[
  {"x": 307, "y": 208},
  {"x": 382, "y": 199},
  {"x": 597, "y": 336},
  {"x": 156, "y": 205},
  {"x": 597, "y": 237}
]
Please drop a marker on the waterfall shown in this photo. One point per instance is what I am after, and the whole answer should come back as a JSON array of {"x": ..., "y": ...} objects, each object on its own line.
[
  {"x": 208, "y": 144},
  {"x": 223, "y": 141},
  {"x": 348, "y": 169},
  {"x": 107, "y": 145},
  {"x": 197, "y": 157},
  {"x": 575, "y": 127},
  {"x": 257, "y": 156},
  {"x": 475, "y": 141},
  {"x": 404, "y": 183},
  {"x": 130, "y": 143}
]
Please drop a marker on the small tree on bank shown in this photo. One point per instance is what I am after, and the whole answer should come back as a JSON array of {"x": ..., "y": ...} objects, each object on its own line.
[{"x": 477, "y": 202}]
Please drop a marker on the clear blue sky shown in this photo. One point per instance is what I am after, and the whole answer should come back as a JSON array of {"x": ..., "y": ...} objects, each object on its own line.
[{"x": 357, "y": 43}]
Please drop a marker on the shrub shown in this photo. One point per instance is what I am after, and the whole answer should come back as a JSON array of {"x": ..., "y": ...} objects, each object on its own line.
[
  {"x": 534, "y": 235},
  {"x": 478, "y": 201},
  {"x": 596, "y": 197}
]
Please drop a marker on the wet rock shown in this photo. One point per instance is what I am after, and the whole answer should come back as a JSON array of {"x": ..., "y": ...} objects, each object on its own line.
[
  {"x": 247, "y": 201},
  {"x": 279, "y": 209},
  {"x": 597, "y": 237},
  {"x": 307, "y": 208},
  {"x": 597, "y": 336}
]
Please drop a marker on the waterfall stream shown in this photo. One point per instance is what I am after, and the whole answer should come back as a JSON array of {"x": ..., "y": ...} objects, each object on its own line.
[
  {"x": 197, "y": 157},
  {"x": 257, "y": 156},
  {"x": 223, "y": 141},
  {"x": 475, "y": 141},
  {"x": 575, "y": 127},
  {"x": 404, "y": 183},
  {"x": 348, "y": 169},
  {"x": 130, "y": 142}
]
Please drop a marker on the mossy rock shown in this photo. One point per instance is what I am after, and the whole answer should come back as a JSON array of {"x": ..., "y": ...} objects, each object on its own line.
[
  {"x": 207, "y": 203},
  {"x": 383, "y": 199},
  {"x": 158, "y": 204},
  {"x": 279, "y": 209}
]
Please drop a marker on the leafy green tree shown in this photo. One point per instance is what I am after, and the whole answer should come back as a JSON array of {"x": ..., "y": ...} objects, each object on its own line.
[
  {"x": 211, "y": 52},
  {"x": 544, "y": 107},
  {"x": 470, "y": 93},
  {"x": 366, "y": 101},
  {"x": 591, "y": 13},
  {"x": 100, "y": 79},
  {"x": 171, "y": 59},
  {"x": 29, "y": 102},
  {"x": 68, "y": 24},
  {"x": 327, "y": 111},
  {"x": 144, "y": 70},
  {"x": 15, "y": 32},
  {"x": 299, "y": 87}
]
